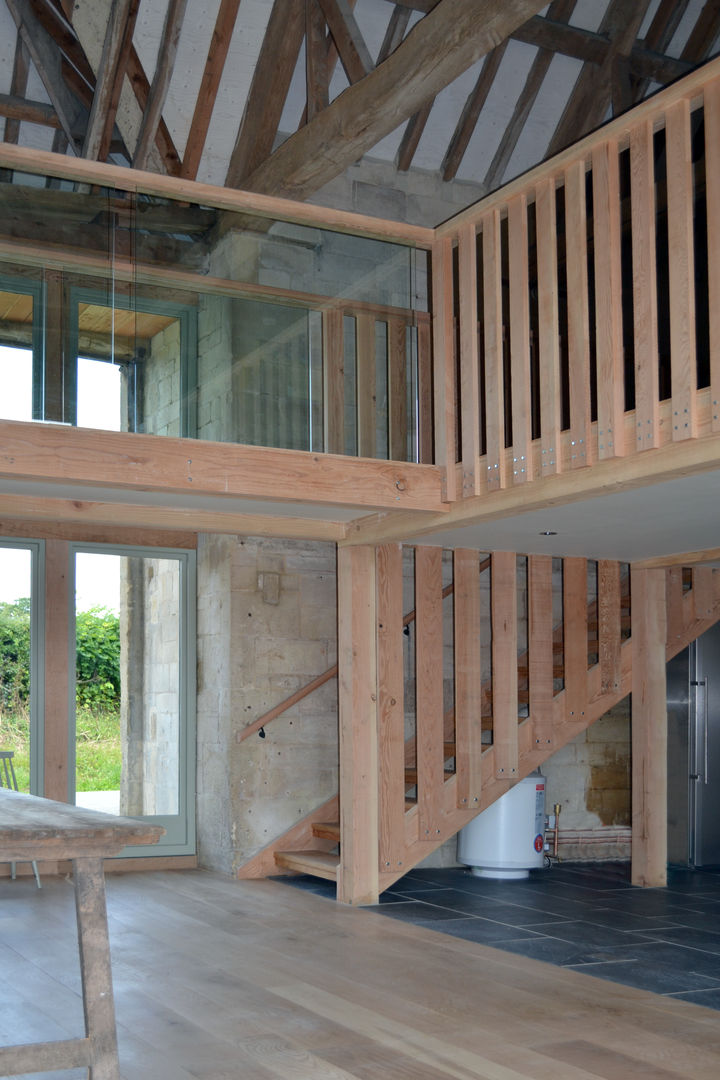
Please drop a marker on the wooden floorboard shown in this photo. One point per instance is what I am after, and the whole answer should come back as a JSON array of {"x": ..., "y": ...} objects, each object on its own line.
[{"x": 254, "y": 980}]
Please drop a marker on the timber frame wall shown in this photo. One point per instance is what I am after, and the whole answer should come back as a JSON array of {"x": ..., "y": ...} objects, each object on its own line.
[{"x": 542, "y": 402}]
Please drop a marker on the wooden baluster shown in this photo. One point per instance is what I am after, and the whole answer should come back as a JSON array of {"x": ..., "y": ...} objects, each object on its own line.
[
  {"x": 608, "y": 302},
  {"x": 712, "y": 195},
  {"x": 548, "y": 329},
  {"x": 609, "y": 625},
  {"x": 702, "y": 591},
  {"x": 494, "y": 369},
  {"x": 397, "y": 389},
  {"x": 468, "y": 677},
  {"x": 675, "y": 606},
  {"x": 682, "y": 272},
  {"x": 425, "y": 393},
  {"x": 541, "y": 660},
  {"x": 365, "y": 375},
  {"x": 334, "y": 380},
  {"x": 575, "y": 636},
  {"x": 504, "y": 663},
  {"x": 645, "y": 318},
  {"x": 391, "y": 706},
  {"x": 358, "y": 880},
  {"x": 520, "y": 340},
  {"x": 578, "y": 316},
  {"x": 444, "y": 363},
  {"x": 429, "y": 682},
  {"x": 649, "y": 729},
  {"x": 469, "y": 360}
]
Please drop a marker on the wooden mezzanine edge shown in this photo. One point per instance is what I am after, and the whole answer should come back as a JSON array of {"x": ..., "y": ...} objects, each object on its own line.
[
  {"x": 51, "y": 453},
  {"x": 668, "y": 461}
]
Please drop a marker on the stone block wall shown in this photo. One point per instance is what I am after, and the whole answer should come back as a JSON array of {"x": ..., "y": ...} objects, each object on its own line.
[{"x": 266, "y": 627}]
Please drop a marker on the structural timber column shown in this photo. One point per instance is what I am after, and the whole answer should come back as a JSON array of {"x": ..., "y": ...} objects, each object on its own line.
[
  {"x": 357, "y": 685},
  {"x": 649, "y": 728}
]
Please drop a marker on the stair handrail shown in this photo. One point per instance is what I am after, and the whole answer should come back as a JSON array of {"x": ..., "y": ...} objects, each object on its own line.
[{"x": 320, "y": 680}]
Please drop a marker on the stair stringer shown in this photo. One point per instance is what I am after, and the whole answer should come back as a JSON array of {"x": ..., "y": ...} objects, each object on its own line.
[{"x": 566, "y": 726}]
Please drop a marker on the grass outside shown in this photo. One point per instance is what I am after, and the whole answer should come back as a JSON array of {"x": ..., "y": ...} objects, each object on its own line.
[{"x": 98, "y": 750}]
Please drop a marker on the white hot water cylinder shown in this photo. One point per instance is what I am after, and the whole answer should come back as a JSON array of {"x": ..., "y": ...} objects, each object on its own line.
[{"x": 507, "y": 840}]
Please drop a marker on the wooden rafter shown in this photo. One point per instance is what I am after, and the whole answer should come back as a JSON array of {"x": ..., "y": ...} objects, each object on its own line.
[
  {"x": 438, "y": 49},
  {"x": 18, "y": 87},
  {"x": 120, "y": 25},
  {"x": 560, "y": 10},
  {"x": 597, "y": 87},
  {"x": 471, "y": 111},
  {"x": 332, "y": 53},
  {"x": 18, "y": 109},
  {"x": 704, "y": 34},
  {"x": 47, "y": 59},
  {"x": 58, "y": 25},
  {"x": 209, "y": 86},
  {"x": 316, "y": 60},
  {"x": 395, "y": 31},
  {"x": 352, "y": 50},
  {"x": 141, "y": 88},
  {"x": 268, "y": 90},
  {"x": 411, "y": 137},
  {"x": 660, "y": 33},
  {"x": 167, "y": 54}
]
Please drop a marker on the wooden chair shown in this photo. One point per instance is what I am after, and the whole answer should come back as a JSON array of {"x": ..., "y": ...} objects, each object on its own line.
[{"x": 8, "y": 779}]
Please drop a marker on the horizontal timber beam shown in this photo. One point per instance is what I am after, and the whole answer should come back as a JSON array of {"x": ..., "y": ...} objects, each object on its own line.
[
  {"x": 121, "y": 460},
  {"x": 97, "y": 522}
]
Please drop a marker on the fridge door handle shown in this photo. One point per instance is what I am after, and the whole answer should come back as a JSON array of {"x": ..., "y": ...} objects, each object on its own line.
[{"x": 706, "y": 695}]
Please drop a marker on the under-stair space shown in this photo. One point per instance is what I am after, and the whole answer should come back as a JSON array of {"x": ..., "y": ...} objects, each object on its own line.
[{"x": 459, "y": 674}]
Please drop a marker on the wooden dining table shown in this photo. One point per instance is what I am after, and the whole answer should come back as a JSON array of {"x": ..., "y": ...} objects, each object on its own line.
[{"x": 32, "y": 828}]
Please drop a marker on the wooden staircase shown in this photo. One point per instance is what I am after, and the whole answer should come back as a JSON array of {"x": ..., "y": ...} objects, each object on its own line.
[{"x": 566, "y": 675}]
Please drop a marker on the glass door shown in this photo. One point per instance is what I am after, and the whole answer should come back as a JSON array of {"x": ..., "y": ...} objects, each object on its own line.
[
  {"x": 133, "y": 733},
  {"x": 21, "y": 681}
]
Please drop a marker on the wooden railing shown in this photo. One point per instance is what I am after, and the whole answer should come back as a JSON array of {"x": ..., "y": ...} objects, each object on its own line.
[{"x": 582, "y": 301}]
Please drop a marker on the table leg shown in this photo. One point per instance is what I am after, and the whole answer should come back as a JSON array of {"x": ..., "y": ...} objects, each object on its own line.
[{"x": 95, "y": 967}]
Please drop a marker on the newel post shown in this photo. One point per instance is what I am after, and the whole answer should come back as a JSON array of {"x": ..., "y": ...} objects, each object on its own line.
[
  {"x": 357, "y": 687},
  {"x": 649, "y": 728}
]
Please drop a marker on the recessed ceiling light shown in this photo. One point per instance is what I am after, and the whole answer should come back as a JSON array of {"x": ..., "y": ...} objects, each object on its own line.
[{"x": 548, "y": 532}]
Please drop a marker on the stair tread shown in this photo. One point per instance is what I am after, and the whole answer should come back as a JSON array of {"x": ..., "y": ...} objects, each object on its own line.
[
  {"x": 330, "y": 830},
  {"x": 322, "y": 864}
]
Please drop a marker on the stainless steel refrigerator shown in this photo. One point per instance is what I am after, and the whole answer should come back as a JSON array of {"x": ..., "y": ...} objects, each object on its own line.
[{"x": 693, "y": 689}]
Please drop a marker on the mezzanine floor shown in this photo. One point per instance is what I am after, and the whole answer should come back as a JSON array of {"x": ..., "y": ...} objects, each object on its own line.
[{"x": 217, "y": 979}]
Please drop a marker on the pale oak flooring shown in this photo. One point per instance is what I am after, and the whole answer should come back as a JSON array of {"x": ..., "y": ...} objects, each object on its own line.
[{"x": 221, "y": 980}]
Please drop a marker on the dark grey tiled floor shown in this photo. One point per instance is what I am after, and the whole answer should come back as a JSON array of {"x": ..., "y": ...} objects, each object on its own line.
[{"x": 582, "y": 916}]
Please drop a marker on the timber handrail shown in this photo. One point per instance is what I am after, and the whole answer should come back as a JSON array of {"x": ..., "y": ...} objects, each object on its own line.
[{"x": 317, "y": 682}]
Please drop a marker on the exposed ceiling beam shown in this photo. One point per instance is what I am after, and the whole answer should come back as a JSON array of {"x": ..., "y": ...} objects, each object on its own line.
[
  {"x": 597, "y": 87},
  {"x": 411, "y": 137},
  {"x": 471, "y": 112},
  {"x": 47, "y": 59},
  {"x": 440, "y": 47},
  {"x": 659, "y": 35},
  {"x": 352, "y": 50},
  {"x": 118, "y": 82},
  {"x": 164, "y": 145},
  {"x": 58, "y": 25},
  {"x": 91, "y": 20},
  {"x": 18, "y": 87},
  {"x": 19, "y": 109},
  {"x": 395, "y": 31},
  {"x": 268, "y": 90},
  {"x": 108, "y": 74},
  {"x": 330, "y": 46},
  {"x": 209, "y": 86},
  {"x": 316, "y": 60},
  {"x": 560, "y": 11},
  {"x": 167, "y": 54},
  {"x": 704, "y": 34}
]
